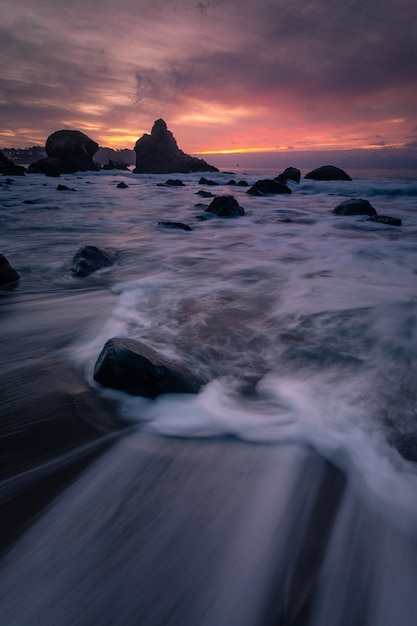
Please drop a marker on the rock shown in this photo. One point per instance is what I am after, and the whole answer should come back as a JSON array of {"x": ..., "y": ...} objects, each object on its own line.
[
  {"x": 205, "y": 194},
  {"x": 207, "y": 181},
  {"x": 243, "y": 183},
  {"x": 174, "y": 182},
  {"x": 74, "y": 149},
  {"x": 354, "y": 207},
  {"x": 48, "y": 166},
  {"x": 130, "y": 366},
  {"x": 179, "y": 225},
  {"x": 115, "y": 165},
  {"x": 225, "y": 206},
  {"x": 231, "y": 182},
  {"x": 158, "y": 153},
  {"x": 122, "y": 185},
  {"x": 64, "y": 188},
  {"x": 386, "y": 219},
  {"x": 290, "y": 173},
  {"x": 267, "y": 186},
  {"x": 8, "y": 168},
  {"x": 7, "y": 273},
  {"x": 328, "y": 172},
  {"x": 89, "y": 259}
]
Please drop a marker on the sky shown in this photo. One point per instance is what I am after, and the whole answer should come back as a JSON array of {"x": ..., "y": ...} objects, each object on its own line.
[{"x": 234, "y": 76}]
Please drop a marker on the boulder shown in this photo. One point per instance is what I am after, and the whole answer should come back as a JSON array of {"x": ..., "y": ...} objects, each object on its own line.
[
  {"x": 158, "y": 153},
  {"x": 243, "y": 183},
  {"x": 7, "y": 273},
  {"x": 89, "y": 259},
  {"x": 328, "y": 172},
  {"x": 122, "y": 185},
  {"x": 48, "y": 166},
  {"x": 130, "y": 366},
  {"x": 8, "y": 168},
  {"x": 355, "y": 206},
  {"x": 115, "y": 165},
  {"x": 74, "y": 149},
  {"x": 386, "y": 219},
  {"x": 290, "y": 173},
  {"x": 267, "y": 186},
  {"x": 225, "y": 206},
  {"x": 207, "y": 181},
  {"x": 178, "y": 225},
  {"x": 172, "y": 182},
  {"x": 205, "y": 194}
]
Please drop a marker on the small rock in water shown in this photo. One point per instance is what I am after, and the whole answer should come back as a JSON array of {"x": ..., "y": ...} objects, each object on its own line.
[
  {"x": 130, "y": 366},
  {"x": 205, "y": 194},
  {"x": 89, "y": 259},
  {"x": 207, "y": 181},
  {"x": 290, "y": 173},
  {"x": 178, "y": 225},
  {"x": 174, "y": 182},
  {"x": 386, "y": 219},
  {"x": 355, "y": 207},
  {"x": 267, "y": 186},
  {"x": 64, "y": 188},
  {"x": 122, "y": 185},
  {"x": 7, "y": 273},
  {"x": 243, "y": 183},
  {"x": 225, "y": 206},
  {"x": 328, "y": 172}
]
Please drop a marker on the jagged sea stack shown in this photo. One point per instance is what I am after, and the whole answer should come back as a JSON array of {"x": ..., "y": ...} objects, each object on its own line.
[{"x": 158, "y": 153}]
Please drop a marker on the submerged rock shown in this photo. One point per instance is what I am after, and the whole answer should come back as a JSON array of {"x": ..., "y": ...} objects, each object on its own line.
[
  {"x": 158, "y": 153},
  {"x": 225, "y": 206},
  {"x": 290, "y": 173},
  {"x": 328, "y": 172},
  {"x": 130, "y": 366},
  {"x": 356, "y": 206},
  {"x": 122, "y": 185},
  {"x": 7, "y": 273},
  {"x": 89, "y": 259},
  {"x": 268, "y": 186},
  {"x": 178, "y": 225},
  {"x": 386, "y": 219},
  {"x": 74, "y": 149},
  {"x": 207, "y": 181},
  {"x": 205, "y": 194}
]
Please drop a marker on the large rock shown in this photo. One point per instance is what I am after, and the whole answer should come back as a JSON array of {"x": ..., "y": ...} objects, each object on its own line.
[
  {"x": 328, "y": 172},
  {"x": 8, "y": 168},
  {"x": 7, "y": 273},
  {"x": 49, "y": 166},
  {"x": 225, "y": 206},
  {"x": 89, "y": 259},
  {"x": 356, "y": 206},
  {"x": 290, "y": 173},
  {"x": 74, "y": 149},
  {"x": 268, "y": 186},
  {"x": 158, "y": 153},
  {"x": 130, "y": 366}
]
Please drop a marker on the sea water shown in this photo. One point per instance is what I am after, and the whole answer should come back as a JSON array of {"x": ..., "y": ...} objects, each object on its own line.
[{"x": 302, "y": 322}]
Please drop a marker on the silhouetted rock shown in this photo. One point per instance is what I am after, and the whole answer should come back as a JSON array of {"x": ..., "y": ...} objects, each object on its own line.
[
  {"x": 64, "y": 188},
  {"x": 7, "y": 273},
  {"x": 354, "y": 207},
  {"x": 8, "y": 168},
  {"x": 115, "y": 165},
  {"x": 178, "y": 225},
  {"x": 207, "y": 181},
  {"x": 122, "y": 185},
  {"x": 74, "y": 149},
  {"x": 130, "y": 366},
  {"x": 386, "y": 219},
  {"x": 158, "y": 153},
  {"x": 89, "y": 259},
  {"x": 225, "y": 206},
  {"x": 290, "y": 173},
  {"x": 49, "y": 166},
  {"x": 174, "y": 182},
  {"x": 267, "y": 186},
  {"x": 231, "y": 182},
  {"x": 243, "y": 183},
  {"x": 205, "y": 194},
  {"x": 328, "y": 172}
]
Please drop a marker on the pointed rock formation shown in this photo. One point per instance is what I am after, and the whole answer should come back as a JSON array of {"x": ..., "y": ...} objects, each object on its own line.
[{"x": 158, "y": 153}]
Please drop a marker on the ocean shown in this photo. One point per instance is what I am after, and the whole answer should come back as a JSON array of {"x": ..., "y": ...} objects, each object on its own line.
[{"x": 286, "y": 490}]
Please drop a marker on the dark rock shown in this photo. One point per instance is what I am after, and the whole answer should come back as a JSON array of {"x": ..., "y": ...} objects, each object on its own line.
[
  {"x": 158, "y": 153},
  {"x": 7, "y": 273},
  {"x": 290, "y": 173},
  {"x": 48, "y": 166},
  {"x": 89, "y": 259},
  {"x": 354, "y": 207},
  {"x": 179, "y": 225},
  {"x": 231, "y": 182},
  {"x": 243, "y": 183},
  {"x": 225, "y": 206},
  {"x": 130, "y": 366},
  {"x": 122, "y": 185},
  {"x": 64, "y": 188},
  {"x": 205, "y": 194},
  {"x": 386, "y": 219},
  {"x": 267, "y": 186},
  {"x": 328, "y": 172},
  {"x": 174, "y": 182},
  {"x": 115, "y": 165},
  {"x": 206, "y": 181},
  {"x": 74, "y": 149},
  {"x": 8, "y": 168}
]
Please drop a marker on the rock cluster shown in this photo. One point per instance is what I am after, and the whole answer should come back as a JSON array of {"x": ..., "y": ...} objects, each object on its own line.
[
  {"x": 158, "y": 153},
  {"x": 357, "y": 206}
]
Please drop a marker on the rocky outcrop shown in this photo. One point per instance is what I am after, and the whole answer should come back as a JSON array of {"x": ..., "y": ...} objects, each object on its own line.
[
  {"x": 74, "y": 149},
  {"x": 328, "y": 172},
  {"x": 130, "y": 366},
  {"x": 356, "y": 206},
  {"x": 158, "y": 153},
  {"x": 89, "y": 259},
  {"x": 290, "y": 173},
  {"x": 8, "y": 168},
  {"x": 267, "y": 186},
  {"x": 7, "y": 273},
  {"x": 225, "y": 206},
  {"x": 48, "y": 166}
]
